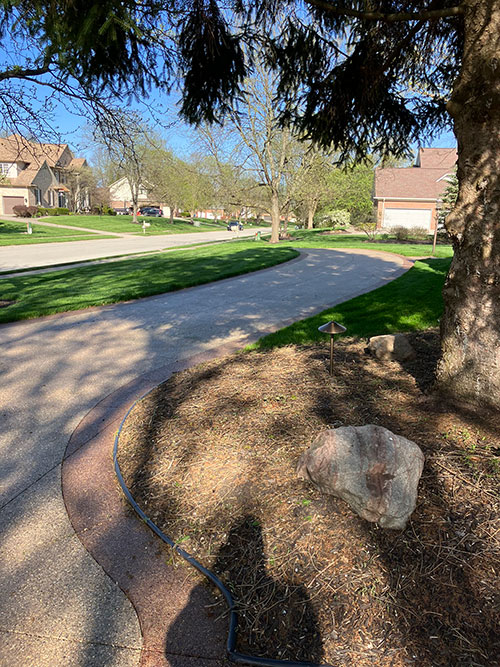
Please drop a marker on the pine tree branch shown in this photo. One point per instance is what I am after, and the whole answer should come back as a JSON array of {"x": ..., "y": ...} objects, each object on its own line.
[
  {"x": 20, "y": 73},
  {"x": 423, "y": 15}
]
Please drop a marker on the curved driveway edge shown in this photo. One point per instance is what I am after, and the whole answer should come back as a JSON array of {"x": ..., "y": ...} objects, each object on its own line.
[
  {"x": 57, "y": 606},
  {"x": 178, "y": 626}
]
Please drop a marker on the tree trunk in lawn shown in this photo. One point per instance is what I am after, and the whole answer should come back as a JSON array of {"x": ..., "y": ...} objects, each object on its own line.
[
  {"x": 171, "y": 215},
  {"x": 469, "y": 367},
  {"x": 310, "y": 217},
  {"x": 275, "y": 218}
]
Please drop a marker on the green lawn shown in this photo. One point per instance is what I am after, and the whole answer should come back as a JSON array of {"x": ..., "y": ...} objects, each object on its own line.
[
  {"x": 14, "y": 233},
  {"x": 60, "y": 291},
  {"x": 410, "y": 303},
  {"x": 123, "y": 224},
  {"x": 314, "y": 239}
]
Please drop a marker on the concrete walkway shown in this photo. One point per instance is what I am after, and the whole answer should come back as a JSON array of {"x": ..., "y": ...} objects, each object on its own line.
[
  {"x": 57, "y": 605},
  {"x": 37, "y": 255}
]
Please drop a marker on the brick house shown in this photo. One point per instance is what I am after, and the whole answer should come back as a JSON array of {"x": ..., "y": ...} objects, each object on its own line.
[
  {"x": 408, "y": 196},
  {"x": 34, "y": 174}
]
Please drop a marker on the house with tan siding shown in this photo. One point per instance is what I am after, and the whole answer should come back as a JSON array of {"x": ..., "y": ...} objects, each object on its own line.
[
  {"x": 409, "y": 196},
  {"x": 34, "y": 174}
]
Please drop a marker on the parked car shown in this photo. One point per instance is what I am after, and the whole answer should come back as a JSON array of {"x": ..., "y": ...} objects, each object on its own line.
[
  {"x": 121, "y": 211},
  {"x": 151, "y": 211},
  {"x": 234, "y": 226}
]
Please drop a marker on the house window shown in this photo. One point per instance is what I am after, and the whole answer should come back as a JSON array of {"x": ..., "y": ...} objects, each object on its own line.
[
  {"x": 62, "y": 200},
  {"x": 4, "y": 168},
  {"x": 38, "y": 196}
]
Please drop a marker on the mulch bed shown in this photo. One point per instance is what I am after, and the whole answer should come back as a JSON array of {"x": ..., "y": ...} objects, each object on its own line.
[{"x": 211, "y": 455}]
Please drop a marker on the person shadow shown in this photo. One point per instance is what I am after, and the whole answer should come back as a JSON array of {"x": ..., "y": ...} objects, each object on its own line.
[{"x": 276, "y": 619}]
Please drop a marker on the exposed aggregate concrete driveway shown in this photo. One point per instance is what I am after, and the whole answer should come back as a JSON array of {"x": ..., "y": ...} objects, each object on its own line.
[{"x": 57, "y": 606}]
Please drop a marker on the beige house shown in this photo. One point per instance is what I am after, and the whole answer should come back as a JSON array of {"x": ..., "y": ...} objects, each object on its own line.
[
  {"x": 120, "y": 194},
  {"x": 409, "y": 196},
  {"x": 35, "y": 174}
]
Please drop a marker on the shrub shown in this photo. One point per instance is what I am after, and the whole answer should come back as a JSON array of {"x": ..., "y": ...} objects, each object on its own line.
[
  {"x": 334, "y": 218},
  {"x": 60, "y": 211},
  {"x": 401, "y": 233},
  {"x": 102, "y": 209},
  {"x": 42, "y": 211},
  {"x": 32, "y": 211},
  {"x": 419, "y": 233},
  {"x": 21, "y": 211},
  {"x": 366, "y": 222}
]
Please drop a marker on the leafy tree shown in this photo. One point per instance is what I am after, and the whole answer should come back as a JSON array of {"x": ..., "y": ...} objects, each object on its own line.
[
  {"x": 82, "y": 185},
  {"x": 195, "y": 188},
  {"x": 164, "y": 175},
  {"x": 312, "y": 183},
  {"x": 351, "y": 189}
]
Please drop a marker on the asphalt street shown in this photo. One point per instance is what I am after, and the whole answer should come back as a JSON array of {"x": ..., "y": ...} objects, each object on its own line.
[{"x": 49, "y": 254}]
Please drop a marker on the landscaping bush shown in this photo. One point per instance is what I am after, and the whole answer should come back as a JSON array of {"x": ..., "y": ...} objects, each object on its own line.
[
  {"x": 43, "y": 211},
  {"x": 366, "y": 222},
  {"x": 406, "y": 233},
  {"x": 401, "y": 233},
  {"x": 333, "y": 218},
  {"x": 21, "y": 211},
  {"x": 419, "y": 233},
  {"x": 103, "y": 210}
]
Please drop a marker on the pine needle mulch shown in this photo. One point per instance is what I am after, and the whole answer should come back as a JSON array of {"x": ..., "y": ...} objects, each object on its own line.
[{"x": 211, "y": 455}]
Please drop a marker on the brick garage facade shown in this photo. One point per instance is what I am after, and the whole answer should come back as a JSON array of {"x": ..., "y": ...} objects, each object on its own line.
[{"x": 409, "y": 196}]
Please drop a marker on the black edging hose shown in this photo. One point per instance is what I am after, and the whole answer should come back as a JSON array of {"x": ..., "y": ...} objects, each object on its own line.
[{"x": 234, "y": 656}]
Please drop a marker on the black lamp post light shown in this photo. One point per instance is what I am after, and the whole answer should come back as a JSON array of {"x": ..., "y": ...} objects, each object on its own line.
[{"x": 332, "y": 328}]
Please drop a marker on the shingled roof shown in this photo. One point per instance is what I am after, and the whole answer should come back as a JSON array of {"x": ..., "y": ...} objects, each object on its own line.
[
  {"x": 426, "y": 180},
  {"x": 436, "y": 158},
  {"x": 16, "y": 148}
]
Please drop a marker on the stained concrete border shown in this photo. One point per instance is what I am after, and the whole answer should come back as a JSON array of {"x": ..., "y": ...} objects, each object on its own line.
[{"x": 175, "y": 617}]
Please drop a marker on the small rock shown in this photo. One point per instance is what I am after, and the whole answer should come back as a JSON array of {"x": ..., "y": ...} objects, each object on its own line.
[
  {"x": 374, "y": 470},
  {"x": 391, "y": 347}
]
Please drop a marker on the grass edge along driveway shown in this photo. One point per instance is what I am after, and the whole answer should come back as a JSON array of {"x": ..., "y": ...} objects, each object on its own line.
[
  {"x": 412, "y": 302},
  {"x": 74, "y": 289}
]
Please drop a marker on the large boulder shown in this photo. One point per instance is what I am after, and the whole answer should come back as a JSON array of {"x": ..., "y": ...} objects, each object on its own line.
[
  {"x": 393, "y": 347},
  {"x": 371, "y": 468}
]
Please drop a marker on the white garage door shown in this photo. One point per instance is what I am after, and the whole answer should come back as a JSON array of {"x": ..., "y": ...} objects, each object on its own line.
[{"x": 407, "y": 217}]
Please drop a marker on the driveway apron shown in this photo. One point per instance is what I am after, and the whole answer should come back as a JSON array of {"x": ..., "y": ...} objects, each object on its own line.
[{"x": 57, "y": 606}]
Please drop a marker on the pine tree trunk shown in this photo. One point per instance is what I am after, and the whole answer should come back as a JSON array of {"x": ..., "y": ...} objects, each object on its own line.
[
  {"x": 275, "y": 218},
  {"x": 469, "y": 367}
]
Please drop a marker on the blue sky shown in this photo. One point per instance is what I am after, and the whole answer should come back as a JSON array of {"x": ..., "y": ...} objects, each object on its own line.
[{"x": 180, "y": 137}]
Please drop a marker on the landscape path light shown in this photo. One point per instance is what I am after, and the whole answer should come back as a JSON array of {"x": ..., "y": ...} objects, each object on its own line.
[{"x": 332, "y": 328}]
